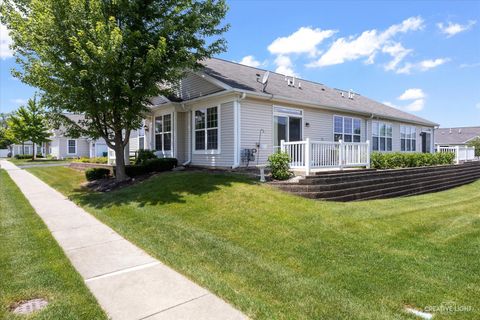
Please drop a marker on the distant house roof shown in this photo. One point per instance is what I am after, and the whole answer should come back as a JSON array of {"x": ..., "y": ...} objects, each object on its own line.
[
  {"x": 243, "y": 77},
  {"x": 460, "y": 135}
]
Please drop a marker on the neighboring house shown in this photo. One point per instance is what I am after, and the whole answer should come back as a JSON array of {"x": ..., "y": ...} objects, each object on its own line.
[
  {"x": 61, "y": 146},
  {"x": 452, "y": 137}
]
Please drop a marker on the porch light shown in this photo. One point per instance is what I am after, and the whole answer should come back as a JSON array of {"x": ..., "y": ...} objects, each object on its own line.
[
  {"x": 145, "y": 127},
  {"x": 307, "y": 124}
]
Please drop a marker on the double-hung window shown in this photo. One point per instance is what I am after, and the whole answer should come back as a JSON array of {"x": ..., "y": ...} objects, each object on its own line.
[
  {"x": 71, "y": 146},
  {"x": 347, "y": 129},
  {"x": 381, "y": 136},
  {"x": 163, "y": 133},
  {"x": 408, "y": 140},
  {"x": 206, "y": 129}
]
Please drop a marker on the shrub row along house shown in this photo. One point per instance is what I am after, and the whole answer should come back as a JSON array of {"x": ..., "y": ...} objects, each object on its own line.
[
  {"x": 62, "y": 146},
  {"x": 230, "y": 115}
]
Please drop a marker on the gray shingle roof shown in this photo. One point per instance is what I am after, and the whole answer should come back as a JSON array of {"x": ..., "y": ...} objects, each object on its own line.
[
  {"x": 454, "y": 136},
  {"x": 245, "y": 78}
]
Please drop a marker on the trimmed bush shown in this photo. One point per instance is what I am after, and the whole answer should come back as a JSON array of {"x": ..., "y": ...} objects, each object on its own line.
[
  {"x": 392, "y": 160},
  {"x": 279, "y": 164},
  {"x": 144, "y": 155},
  {"x": 97, "y": 173},
  {"x": 27, "y": 156},
  {"x": 102, "y": 160},
  {"x": 150, "y": 165}
]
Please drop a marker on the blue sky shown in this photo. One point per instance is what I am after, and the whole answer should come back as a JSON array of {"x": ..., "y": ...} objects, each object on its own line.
[{"x": 421, "y": 56}]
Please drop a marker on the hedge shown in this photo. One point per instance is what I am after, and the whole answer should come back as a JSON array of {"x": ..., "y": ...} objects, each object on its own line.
[
  {"x": 392, "y": 160},
  {"x": 27, "y": 156},
  {"x": 101, "y": 160},
  {"x": 97, "y": 173},
  {"x": 149, "y": 166}
]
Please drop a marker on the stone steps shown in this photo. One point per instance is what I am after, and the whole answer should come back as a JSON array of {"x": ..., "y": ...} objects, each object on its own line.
[{"x": 373, "y": 184}]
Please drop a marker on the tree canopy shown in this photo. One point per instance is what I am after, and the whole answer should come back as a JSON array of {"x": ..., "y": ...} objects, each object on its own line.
[{"x": 106, "y": 58}]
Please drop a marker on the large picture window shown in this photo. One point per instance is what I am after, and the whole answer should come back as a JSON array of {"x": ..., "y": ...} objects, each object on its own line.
[
  {"x": 347, "y": 129},
  {"x": 408, "y": 140},
  {"x": 163, "y": 133},
  {"x": 381, "y": 136},
  {"x": 206, "y": 129},
  {"x": 71, "y": 146}
]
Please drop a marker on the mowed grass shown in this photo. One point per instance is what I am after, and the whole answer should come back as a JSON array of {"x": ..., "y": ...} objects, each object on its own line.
[
  {"x": 23, "y": 162},
  {"x": 32, "y": 265},
  {"x": 277, "y": 256}
]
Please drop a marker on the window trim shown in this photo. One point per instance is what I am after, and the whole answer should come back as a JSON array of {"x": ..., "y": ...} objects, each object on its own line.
[
  {"x": 379, "y": 136},
  {"x": 142, "y": 129},
  {"x": 68, "y": 146},
  {"x": 219, "y": 130},
  {"x": 343, "y": 127},
  {"x": 409, "y": 139},
  {"x": 172, "y": 123}
]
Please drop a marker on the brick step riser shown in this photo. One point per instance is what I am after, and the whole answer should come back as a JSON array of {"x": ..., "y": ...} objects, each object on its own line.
[
  {"x": 392, "y": 192},
  {"x": 370, "y": 182},
  {"x": 378, "y": 175},
  {"x": 420, "y": 190}
]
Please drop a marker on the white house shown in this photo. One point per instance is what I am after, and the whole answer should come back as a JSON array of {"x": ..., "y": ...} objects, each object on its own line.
[{"x": 230, "y": 115}]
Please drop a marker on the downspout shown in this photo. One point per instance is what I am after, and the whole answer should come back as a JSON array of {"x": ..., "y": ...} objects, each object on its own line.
[
  {"x": 189, "y": 136},
  {"x": 237, "y": 129}
]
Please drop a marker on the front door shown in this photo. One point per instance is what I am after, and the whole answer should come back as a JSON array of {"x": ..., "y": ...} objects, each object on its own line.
[{"x": 426, "y": 142}]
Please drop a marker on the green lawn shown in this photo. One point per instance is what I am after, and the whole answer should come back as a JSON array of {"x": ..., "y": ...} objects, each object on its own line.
[
  {"x": 22, "y": 162},
  {"x": 278, "y": 256},
  {"x": 32, "y": 265}
]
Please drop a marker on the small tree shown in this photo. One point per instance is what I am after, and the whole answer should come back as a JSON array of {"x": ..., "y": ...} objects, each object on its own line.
[
  {"x": 475, "y": 143},
  {"x": 107, "y": 58},
  {"x": 5, "y": 138},
  {"x": 30, "y": 123}
]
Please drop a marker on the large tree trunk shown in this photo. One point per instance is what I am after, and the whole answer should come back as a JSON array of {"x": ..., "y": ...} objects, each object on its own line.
[
  {"x": 34, "y": 153},
  {"x": 119, "y": 159}
]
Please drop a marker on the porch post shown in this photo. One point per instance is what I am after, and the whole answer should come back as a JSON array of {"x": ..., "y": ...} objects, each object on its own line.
[
  {"x": 307, "y": 157},
  {"x": 457, "y": 154},
  {"x": 282, "y": 145},
  {"x": 438, "y": 148},
  {"x": 368, "y": 154},
  {"x": 340, "y": 154}
]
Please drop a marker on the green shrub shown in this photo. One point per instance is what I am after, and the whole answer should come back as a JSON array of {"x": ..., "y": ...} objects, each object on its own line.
[
  {"x": 27, "y": 156},
  {"x": 150, "y": 165},
  {"x": 101, "y": 160},
  {"x": 97, "y": 173},
  {"x": 279, "y": 164},
  {"x": 144, "y": 155},
  {"x": 392, "y": 160}
]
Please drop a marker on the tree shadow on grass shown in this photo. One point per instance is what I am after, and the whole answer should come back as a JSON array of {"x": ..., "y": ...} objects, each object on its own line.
[{"x": 171, "y": 187}]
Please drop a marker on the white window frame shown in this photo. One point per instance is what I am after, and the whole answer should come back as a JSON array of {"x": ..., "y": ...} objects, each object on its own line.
[
  {"x": 379, "y": 136},
  {"x": 219, "y": 131},
  {"x": 163, "y": 151},
  {"x": 408, "y": 137},
  {"x": 343, "y": 128},
  {"x": 68, "y": 146},
  {"x": 295, "y": 113}
]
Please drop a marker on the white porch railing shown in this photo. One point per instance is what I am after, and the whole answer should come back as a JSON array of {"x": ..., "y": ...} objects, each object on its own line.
[
  {"x": 309, "y": 154},
  {"x": 461, "y": 153}
]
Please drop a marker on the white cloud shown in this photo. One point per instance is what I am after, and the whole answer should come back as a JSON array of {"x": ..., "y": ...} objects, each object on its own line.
[
  {"x": 416, "y": 105},
  {"x": 18, "y": 101},
  {"x": 415, "y": 95},
  {"x": 5, "y": 42},
  {"x": 285, "y": 66},
  {"x": 250, "y": 61},
  {"x": 412, "y": 94},
  {"x": 304, "y": 40},
  {"x": 368, "y": 44},
  {"x": 470, "y": 65},
  {"x": 398, "y": 52},
  {"x": 422, "y": 65},
  {"x": 451, "y": 29}
]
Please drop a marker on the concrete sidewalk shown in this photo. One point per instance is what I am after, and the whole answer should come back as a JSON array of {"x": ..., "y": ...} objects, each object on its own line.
[{"x": 127, "y": 282}]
